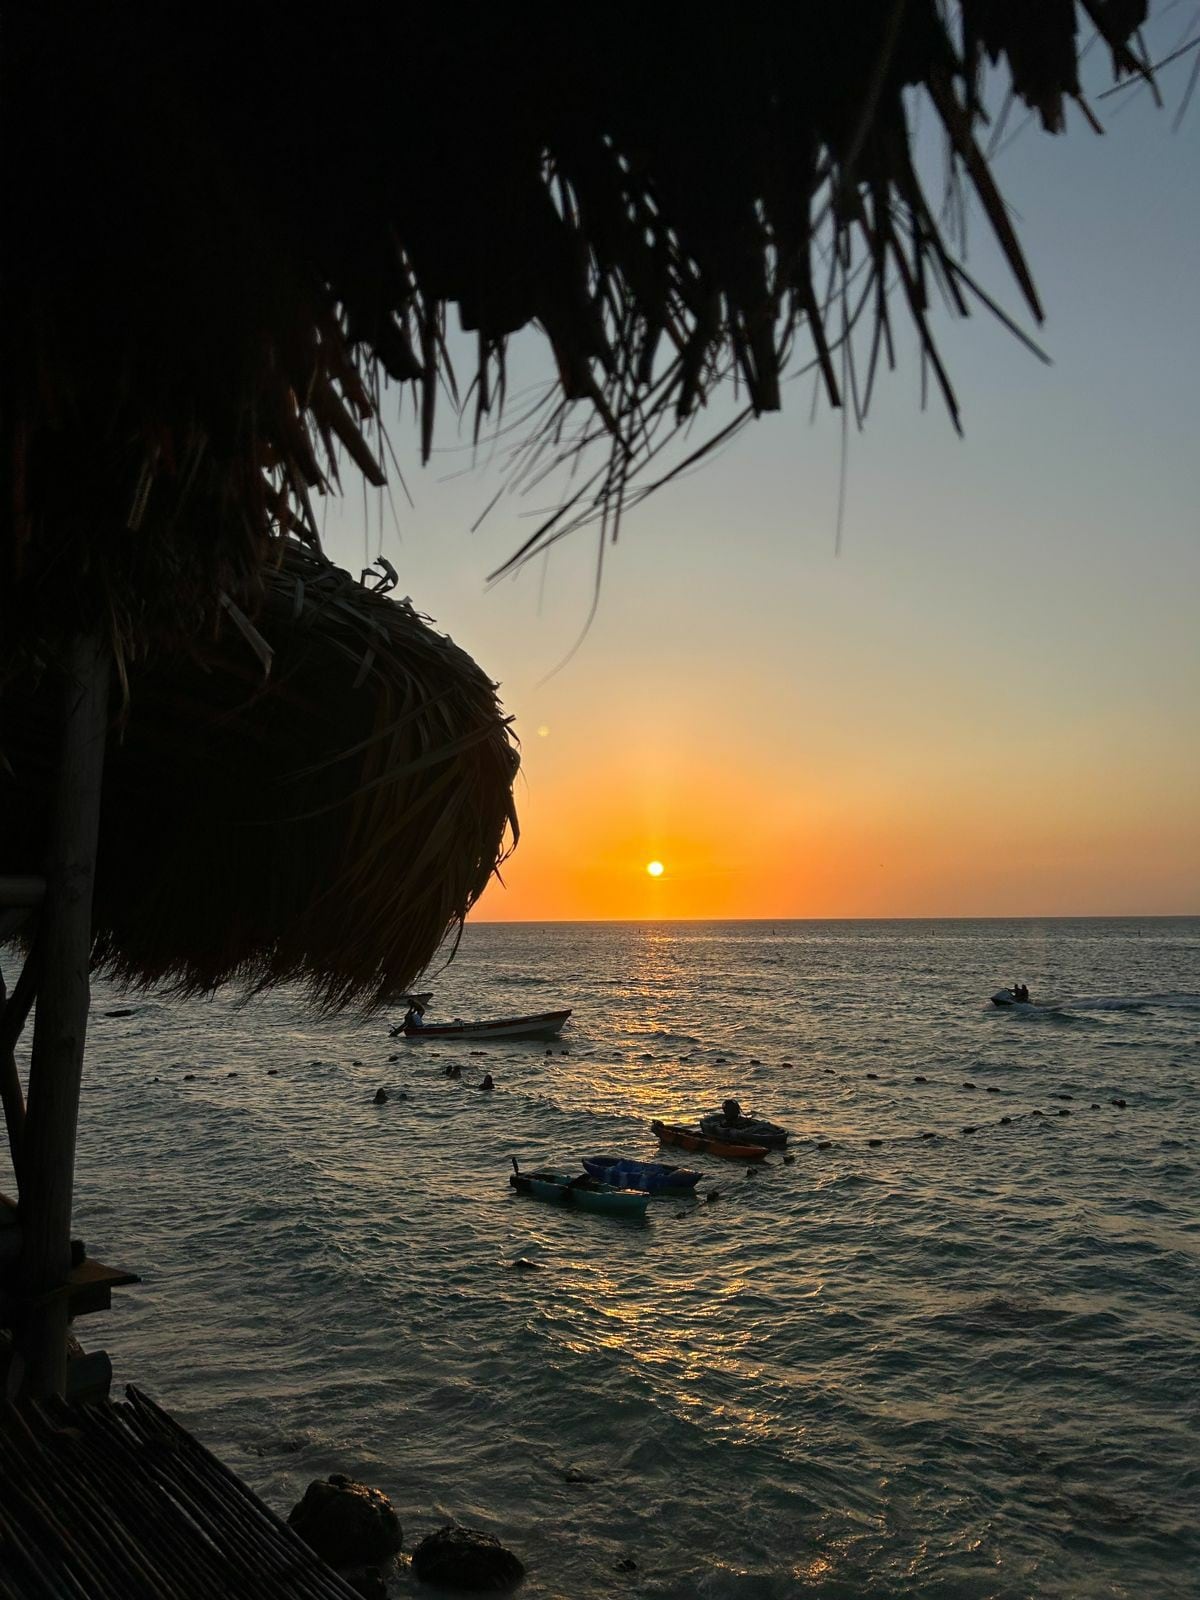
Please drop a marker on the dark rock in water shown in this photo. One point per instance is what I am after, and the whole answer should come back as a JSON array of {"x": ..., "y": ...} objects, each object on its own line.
[
  {"x": 713, "y": 1194},
  {"x": 721, "y": 1061},
  {"x": 872, "y": 1075},
  {"x": 755, "y": 1062},
  {"x": 1120, "y": 1103},
  {"x": 1064, "y": 1111},
  {"x": 272, "y": 1072},
  {"x": 824, "y": 1144},
  {"x": 625, "y": 1564},
  {"x": 970, "y": 1128},
  {"x": 1004, "y": 1121},
  {"x": 155, "y": 1080},
  {"x": 231, "y": 1074},
  {"x": 551, "y": 1052},
  {"x": 968, "y": 1085},
  {"x": 990, "y": 1088},
  {"x": 126, "y": 1011},
  {"x": 787, "y": 1063},
  {"x": 189, "y": 1077},
  {"x": 564, "y": 1052},
  {"x": 788, "y": 1161},
  {"x": 396, "y": 1057},
  {"x": 874, "y": 1143},
  {"x": 283, "y": 1445},
  {"x": 380, "y": 1097},
  {"x": 460, "y": 1558},
  {"x": 356, "y": 1063},
  {"x": 927, "y": 1136},
  {"x": 919, "y": 1079},
  {"x": 523, "y": 1264},
  {"x": 573, "y": 1475},
  {"x": 481, "y": 1052},
  {"x": 1037, "y": 1113},
  {"x": 346, "y": 1523},
  {"x": 1095, "y": 1105},
  {"x": 368, "y": 1582},
  {"x": 1062, "y": 1097}
]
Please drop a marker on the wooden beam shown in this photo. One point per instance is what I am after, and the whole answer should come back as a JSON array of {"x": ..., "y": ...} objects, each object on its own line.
[
  {"x": 60, "y": 1022},
  {"x": 22, "y": 891}
]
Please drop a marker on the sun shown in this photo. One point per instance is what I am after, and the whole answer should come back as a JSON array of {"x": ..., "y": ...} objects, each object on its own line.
[{"x": 654, "y": 868}]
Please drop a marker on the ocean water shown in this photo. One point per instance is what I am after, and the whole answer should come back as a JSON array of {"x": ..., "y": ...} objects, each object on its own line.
[{"x": 963, "y": 1365}]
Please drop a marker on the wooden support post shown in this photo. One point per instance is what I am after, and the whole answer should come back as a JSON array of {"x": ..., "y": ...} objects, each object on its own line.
[
  {"x": 60, "y": 1022},
  {"x": 14, "y": 1009}
]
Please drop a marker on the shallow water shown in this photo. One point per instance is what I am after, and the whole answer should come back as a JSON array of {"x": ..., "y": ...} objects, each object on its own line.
[{"x": 963, "y": 1365}]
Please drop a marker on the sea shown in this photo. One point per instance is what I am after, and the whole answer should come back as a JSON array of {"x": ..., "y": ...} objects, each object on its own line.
[{"x": 950, "y": 1346}]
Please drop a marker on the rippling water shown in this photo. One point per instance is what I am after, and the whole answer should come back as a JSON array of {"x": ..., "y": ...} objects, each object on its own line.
[{"x": 961, "y": 1365}]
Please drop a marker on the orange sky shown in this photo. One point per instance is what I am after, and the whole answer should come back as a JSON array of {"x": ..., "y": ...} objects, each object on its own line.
[{"x": 982, "y": 700}]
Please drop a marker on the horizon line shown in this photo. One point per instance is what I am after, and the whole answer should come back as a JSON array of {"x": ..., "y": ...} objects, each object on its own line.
[{"x": 1024, "y": 916}]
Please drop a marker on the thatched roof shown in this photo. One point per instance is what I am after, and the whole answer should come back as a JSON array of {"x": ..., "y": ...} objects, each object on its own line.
[
  {"x": 222, "y": 232},
  {"x": 328, "y": 823}
]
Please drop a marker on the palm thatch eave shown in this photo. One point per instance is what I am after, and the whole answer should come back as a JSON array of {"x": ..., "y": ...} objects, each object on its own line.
[{"x": 328, "y": 823}]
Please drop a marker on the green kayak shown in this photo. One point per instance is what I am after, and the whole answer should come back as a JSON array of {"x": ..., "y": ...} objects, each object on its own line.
[{"x": 584, "y": 1192}]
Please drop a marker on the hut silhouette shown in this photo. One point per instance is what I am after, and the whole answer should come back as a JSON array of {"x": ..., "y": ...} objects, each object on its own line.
[{"x": 223, "y": 235}]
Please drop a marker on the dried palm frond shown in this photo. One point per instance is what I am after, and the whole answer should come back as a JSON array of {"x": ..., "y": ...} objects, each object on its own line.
[{"x": 220, "y": 233}]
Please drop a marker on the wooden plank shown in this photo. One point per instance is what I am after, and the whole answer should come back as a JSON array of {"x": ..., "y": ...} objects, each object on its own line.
[{"x": 90, "y": 1286}]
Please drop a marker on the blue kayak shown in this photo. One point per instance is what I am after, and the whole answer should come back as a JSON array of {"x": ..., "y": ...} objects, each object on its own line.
[{"x": 651, "y": 1177}]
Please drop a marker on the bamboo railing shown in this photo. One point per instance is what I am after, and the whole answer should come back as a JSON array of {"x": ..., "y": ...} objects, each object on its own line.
[{"x": 116, "y": 1501}]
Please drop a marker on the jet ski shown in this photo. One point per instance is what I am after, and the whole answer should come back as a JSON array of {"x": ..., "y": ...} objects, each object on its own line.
[{"x": 1008, "y": 997}]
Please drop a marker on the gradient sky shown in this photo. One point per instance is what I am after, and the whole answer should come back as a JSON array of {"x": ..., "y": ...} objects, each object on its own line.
[{"x": 987, "y": 703}]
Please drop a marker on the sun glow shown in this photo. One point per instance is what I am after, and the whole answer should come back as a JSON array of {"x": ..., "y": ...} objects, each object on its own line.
[{"x": 654, "y": 868}]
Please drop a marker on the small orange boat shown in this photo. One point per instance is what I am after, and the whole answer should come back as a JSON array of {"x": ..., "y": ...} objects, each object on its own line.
[{"x": 688, "y": 1139}]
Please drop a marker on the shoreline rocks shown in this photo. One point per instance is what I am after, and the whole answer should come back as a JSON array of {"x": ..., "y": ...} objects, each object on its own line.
[
  {"x": 460, "y": 1558},
  {"x": 349, "y": 1525}
]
